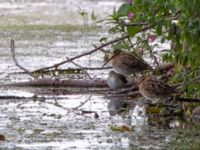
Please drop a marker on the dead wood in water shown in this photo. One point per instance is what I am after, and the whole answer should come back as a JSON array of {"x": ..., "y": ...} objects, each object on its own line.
[{"x": 65, "y": 83}]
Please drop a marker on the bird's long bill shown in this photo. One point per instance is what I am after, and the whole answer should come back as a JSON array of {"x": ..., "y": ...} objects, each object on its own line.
[{"x": 108, "y": 60}]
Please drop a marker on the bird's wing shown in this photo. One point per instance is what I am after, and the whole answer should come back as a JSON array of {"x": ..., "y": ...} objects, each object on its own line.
[
  {"x": 159, "y": 87},
  {"x": 134, "y": 61}
]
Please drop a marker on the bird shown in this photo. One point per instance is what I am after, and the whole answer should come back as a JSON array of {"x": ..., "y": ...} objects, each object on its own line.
[
  {"x": 128, "y": 64},
  {"x": 156, "y": 90},
  {"x": 116, "y": 80}
]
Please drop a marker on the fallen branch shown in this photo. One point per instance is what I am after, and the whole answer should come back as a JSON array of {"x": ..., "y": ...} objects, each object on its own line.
[
  {"x": 14, "y": 97},
  {"x": 59, "y": 83}
]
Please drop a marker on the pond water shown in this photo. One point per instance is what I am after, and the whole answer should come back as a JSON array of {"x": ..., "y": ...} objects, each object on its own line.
[{"x": 46, "y": 32}]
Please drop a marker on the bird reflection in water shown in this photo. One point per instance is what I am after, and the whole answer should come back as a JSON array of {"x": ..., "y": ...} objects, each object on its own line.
[{"x": 118, "y": 107}]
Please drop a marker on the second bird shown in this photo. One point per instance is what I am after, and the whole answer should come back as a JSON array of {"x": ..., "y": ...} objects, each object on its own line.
[
  {"x": 128, "y": 64},
  {"x": 156, "y": 90},
  {"x": 116, "y": 80}
]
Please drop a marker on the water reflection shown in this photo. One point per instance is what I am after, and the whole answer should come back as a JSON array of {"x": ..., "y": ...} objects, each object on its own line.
[
  {"x": 66, "y": 118},
  {"x": 119, "y": 107},
  {"x": 60, "y": 123}
]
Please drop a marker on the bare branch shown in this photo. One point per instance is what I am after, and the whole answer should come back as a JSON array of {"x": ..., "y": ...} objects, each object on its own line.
[
  {"x": 97, "y": 68},
  {"x": 84, "y": 54},
  {"x": 83, "y": 103},
  {"x": 61, "y": 83},
  {"x": 12, "y": 49}
]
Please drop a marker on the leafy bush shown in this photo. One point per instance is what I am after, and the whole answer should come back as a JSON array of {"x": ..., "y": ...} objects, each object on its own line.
[{"x": 174, "y": 21}]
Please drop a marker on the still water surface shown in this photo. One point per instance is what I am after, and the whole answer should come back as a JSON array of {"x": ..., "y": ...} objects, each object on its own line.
[{"x": 54, "y": 120}]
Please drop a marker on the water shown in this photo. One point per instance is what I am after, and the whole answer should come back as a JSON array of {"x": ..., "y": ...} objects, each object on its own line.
[{"x": 45, "y": 33}]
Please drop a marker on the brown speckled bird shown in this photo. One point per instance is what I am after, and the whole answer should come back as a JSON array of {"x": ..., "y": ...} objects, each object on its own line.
[
  {"x": 156, "y": 90},
  {"x": 116, "y": 80},
  {"x": 128, "y": 64}
]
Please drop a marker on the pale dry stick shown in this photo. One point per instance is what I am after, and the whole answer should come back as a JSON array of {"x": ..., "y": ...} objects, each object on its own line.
[
  {"x": 84, "y": 54},
  {"x": 12, "y": 49},
  {"x": 84, "y": 70}
]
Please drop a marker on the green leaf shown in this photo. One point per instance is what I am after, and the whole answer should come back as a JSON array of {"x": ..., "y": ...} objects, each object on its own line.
[
  {"x": 103, "y": 39},
  {"x": 133, "y": 30},
  {"x": 123, "y": 10},
  {"x": 115, "y": 15},
  {"x": 93, "y": 16},
  {"x": 167, "y": 57},
  {"x": 119, "y": 45},
  {"x": 83, "y": 13},
  {"x": 159, "y": 29}
]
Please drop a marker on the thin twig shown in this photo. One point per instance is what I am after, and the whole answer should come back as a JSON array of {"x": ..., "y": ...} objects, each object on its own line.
[
  {"x": 97, "y": 68},
  {"x": 12, "y": 49},
  {"x": 83, "y": 103},
  {"x": 135, "y": 24},
  {"x": 103, "y": 50}
]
